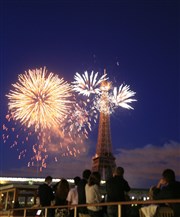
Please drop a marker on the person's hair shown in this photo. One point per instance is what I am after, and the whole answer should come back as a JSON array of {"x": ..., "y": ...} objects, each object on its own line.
[
  {"x": 48, "y": 179},
  {"x": 86, "y": 173},
  {"x": 62, "y": 189},
  {"x": 169, "y": 175},
  {"x": 76, "y": 180},
  {"x": 94, "y": 178},
  {"x": 119, "y": 171}
]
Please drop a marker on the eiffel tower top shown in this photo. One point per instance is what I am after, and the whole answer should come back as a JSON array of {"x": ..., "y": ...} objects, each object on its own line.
[{"x": 105, "y": 85}]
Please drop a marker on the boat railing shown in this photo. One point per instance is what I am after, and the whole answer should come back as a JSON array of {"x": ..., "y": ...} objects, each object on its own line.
[{"x": 25, "y": 211}]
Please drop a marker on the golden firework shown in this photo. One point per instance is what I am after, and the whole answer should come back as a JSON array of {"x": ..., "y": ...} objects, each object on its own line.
[{"x": 39, "y": 99}]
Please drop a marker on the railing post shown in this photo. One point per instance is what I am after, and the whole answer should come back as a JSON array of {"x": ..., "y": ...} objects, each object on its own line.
[
  {"x": 46, "y": 210},
  {"x": 24, "y": 212},
  {"x": 75, "y": 211},
  {"x": 119, "y": 210}
]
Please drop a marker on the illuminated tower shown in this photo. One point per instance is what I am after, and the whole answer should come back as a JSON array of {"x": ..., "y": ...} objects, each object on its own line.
[{"x": 104, "y": 161}]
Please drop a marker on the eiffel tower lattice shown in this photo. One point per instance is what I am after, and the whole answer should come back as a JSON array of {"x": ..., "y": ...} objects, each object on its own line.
[{"x": 104, "y": 161}]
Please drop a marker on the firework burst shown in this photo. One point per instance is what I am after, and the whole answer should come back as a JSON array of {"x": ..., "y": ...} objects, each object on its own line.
[
  {"x": 106, "y": 97},
  {"x": 39, "y": 100},
  {"x": 86, "y": 85},
  {"x": 38, "y": 104},
  {"x": 122, "y": 96}
]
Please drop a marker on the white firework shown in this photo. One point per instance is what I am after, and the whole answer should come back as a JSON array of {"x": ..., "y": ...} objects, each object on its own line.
[
  {"x": 122, "y": 96},
  {"x": 86, "y": 85}
]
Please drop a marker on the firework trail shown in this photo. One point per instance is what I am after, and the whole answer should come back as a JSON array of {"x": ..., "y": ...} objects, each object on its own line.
[{"x": 17, "y": 135}]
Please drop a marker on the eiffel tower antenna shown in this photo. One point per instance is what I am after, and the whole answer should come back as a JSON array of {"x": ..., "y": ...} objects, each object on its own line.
[{"x": 104, "y": 161}]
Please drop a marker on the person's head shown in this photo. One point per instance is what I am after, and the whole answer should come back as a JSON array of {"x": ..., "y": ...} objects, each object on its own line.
[
  {"x": 168, "y": 175},
  {"x": 118, "y": 171},
  {"x": 76, "y": 180},
  {"x": 62, "y": 189},
  {"x": 86, "y": 173},
  {"x": 94, "y": 178},
  {"x": 48, "y": 180}
]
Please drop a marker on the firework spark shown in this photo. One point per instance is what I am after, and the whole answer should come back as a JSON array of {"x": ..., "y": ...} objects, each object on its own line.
[
  {"x": 39, "y": 100},
  {"x": 86, "y": 85},
  {"x": 82, "y": 117}
]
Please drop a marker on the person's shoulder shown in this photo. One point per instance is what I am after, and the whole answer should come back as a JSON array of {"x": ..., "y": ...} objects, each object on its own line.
[
  {"x": 121, "y": 179},
  {"x": 115, "y": 179},
  {"x": 41, "y": 185},
  {"x": 125, "y": 180},
  {"x": 87, "y": 186},
  {"x": 110, "y": 180},
  {"x": 96, "y": 186},
  {"x": 177, "y": 183},
  {"x": 70, "y": 192},
  {"x": 82, "y": 182},
  {"x": 174, "y": 185},
  {"x": 73, "y": 190},
  {"x": 178, "y": 188}
]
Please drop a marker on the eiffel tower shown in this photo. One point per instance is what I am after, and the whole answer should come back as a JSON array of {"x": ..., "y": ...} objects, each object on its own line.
[{"x": 104, "y": 161}]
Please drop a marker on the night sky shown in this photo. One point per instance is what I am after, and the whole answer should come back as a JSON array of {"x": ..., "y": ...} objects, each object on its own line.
[{"x": 138, "y": 44}]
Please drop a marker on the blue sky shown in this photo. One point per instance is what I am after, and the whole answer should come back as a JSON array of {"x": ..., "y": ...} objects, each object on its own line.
[{"x": 136, "y": 41}]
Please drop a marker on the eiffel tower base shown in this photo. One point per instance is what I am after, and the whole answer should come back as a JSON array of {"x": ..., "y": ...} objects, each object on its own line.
[{"x": 104, "y": 165}]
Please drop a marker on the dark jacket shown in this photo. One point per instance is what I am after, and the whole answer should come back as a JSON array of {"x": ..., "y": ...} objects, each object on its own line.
[
  {"x": 171, "y": 191},
  {"x": 82, "y": 195},
  {"x": 116, "y": 188},
  {"x": 46, "y": 195},
  {"x": 60, "y": 202}
]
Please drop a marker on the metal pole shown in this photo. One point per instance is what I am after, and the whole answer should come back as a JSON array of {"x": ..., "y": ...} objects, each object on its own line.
[
  {"x": 75, "y": 211},
  {"x": 46, "y": 210},
  {"x": 119, "y": 210},
  {"x": 24, "y": 212}
]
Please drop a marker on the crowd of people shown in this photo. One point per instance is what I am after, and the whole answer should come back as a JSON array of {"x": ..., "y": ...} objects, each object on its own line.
[{"x": 86, "y": 190}]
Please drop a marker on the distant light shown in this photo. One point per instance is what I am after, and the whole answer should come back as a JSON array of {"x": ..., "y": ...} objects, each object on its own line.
[
  {"x": 5, "y": 180},
  {"x": 30, "y": 181},
  {"x": 132, "y": 197},
  {"x": 133, "y": 204}
]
